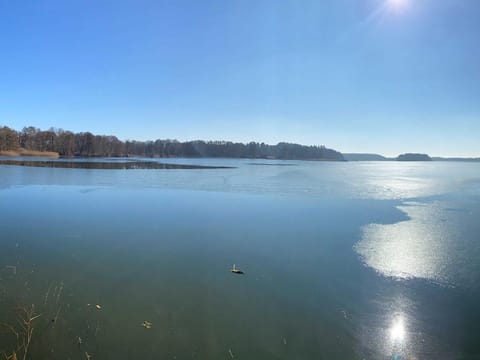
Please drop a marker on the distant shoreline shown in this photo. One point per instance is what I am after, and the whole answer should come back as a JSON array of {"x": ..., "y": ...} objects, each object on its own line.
[
  {"x": 85, "y": 144},
  {"x": 348, "y": 157},
  {"x": 32, "y": 142}
]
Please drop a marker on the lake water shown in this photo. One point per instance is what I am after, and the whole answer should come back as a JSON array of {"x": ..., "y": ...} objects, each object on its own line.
[{"x": 360, "y": 260}]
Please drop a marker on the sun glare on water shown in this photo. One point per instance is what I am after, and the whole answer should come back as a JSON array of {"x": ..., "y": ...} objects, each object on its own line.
[{"x": 397, "y": 331}]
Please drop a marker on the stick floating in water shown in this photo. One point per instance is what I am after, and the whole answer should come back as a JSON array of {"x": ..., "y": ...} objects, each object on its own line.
[{"x": 236, "y": 271}]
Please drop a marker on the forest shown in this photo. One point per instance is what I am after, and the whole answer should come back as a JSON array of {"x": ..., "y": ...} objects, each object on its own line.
[{"x": 86, "y": 144}]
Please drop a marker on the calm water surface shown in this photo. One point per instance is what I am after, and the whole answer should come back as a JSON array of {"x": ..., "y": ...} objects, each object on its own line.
[{"x": 371, "y": 260}]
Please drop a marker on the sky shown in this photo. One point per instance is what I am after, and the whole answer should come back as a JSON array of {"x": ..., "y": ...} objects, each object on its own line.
[{"x": 378, "y": 76}]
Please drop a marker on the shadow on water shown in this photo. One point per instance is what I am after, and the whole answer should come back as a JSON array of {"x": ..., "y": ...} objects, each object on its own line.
[{"x": 107, "y": 165}]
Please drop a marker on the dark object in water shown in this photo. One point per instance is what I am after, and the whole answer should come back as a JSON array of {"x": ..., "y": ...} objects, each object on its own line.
[
  {"x": 106, "y": 165},
  {"x": 236, "y": 271}
]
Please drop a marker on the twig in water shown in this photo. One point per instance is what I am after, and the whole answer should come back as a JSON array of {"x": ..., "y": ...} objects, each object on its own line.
[
  {"x": 26, "y": 324},
  {"x": 54, "y": 292},
  {"x": 23, "y": 333},
  {"x": 59, "y": 292},
  {"x": 230, "y": 352},
  {"x": 56, "y": 315},
  {"x": 11, "y": 357},
  {"x": 9, "y": 327},
  {"x": 46, "y": 295}
]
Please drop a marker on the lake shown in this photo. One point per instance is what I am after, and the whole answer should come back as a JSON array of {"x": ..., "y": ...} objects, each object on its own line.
[{"x": 342, "y": 260}]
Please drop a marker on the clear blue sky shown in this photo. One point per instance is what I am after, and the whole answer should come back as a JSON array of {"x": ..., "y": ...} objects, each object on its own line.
[{"x": 355, "y": 75}]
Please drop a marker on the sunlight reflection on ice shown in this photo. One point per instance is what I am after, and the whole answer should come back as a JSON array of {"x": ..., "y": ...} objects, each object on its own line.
[
  {"x": 393, "y": 333},
  {"x": 397, "y": 330},
  {"x": 431, "y": 245},
  {"x": 398, "y": 344},
  {"x": 420, "y": 247}
]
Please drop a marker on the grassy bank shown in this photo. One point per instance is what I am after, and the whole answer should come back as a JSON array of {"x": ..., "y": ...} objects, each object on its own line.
[{"x": 23, "y": 152}]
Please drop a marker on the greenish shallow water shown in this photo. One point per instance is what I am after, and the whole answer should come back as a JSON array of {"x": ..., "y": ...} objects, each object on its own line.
[{"x": 341, "y": 260}]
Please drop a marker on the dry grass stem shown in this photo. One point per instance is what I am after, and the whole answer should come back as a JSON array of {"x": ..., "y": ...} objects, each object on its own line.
[{"x": 24, "y": 333}]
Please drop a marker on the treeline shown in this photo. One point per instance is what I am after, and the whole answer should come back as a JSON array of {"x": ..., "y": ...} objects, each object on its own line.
[
  {"x": 85, "y": 144},
  {"x": 414, "y": 157}
]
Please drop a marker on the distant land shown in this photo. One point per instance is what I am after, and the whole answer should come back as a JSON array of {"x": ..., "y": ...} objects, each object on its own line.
[
  {"x": 364, "y": 157},
  {"x": 413, "y": 157},
  {"x": 403, "y": 157},
  {"x": 436, "y": 158},
  {"x": 31, "y": 141},
  {"x": 377, "y": 157}
]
